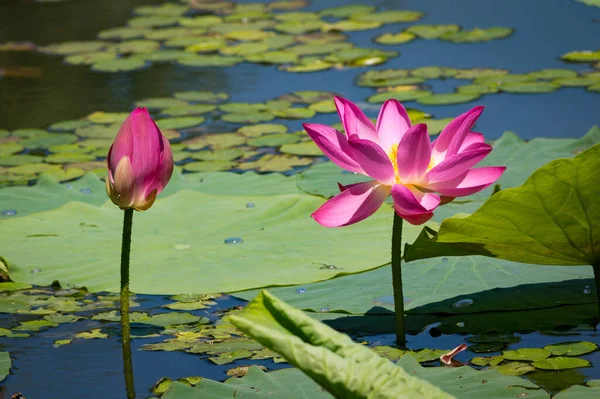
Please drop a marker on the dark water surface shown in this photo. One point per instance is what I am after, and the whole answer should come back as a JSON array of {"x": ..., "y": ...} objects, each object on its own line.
[{"x": 92, "y": 368}]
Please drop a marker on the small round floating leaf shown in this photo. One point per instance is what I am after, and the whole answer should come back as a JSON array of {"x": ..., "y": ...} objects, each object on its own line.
[
  {"x": 137, "y": 46},
  {"x": 230, "y": 27},
  {"x": 386, "y": 77},
  {"x": 319, "y": 48},
  {"x": 203, "y": 21},
  {"x": 207, "y": 41},
  {"x": 248, "y": 35},
  {"x": 487, "y": 361},
  {"x": 432, "y": 31},
  {"x": 210, "y": 60},
  {"x": 394, "y": 38},
  {"x": 527, "y": 354},
  {"x": 306, "y": 149},
  {"x": 324, "y": 106},
  {"x": 549, "y": 74},
  {"x": 478, "y": 89},
  {"x": 273, "y": 57},
  {"x": 208, "y": 166},
  {"x": 346, "y": 11},
  {"x": 273, "y": 140},
  {"x": 321, "y": 37},
  {"x": 46, "y": 140},
  {"x": 226, "y": 154},
  {"x": 72, "y": 148},
  {"x": 309, "y": 64},
  {"x": 99, "y": 131},
  {"x": 435, "y": 126},
  {"x": 68, "y": 174},
  {"x": 90, "y": 58},
  {"x": 171, "y": 33},
  {"x": 119, "y": 65},
  {"x": 161, "y": 102},
  {"x": 170, "y": 9},
  {"x": 295, "y": 113},
  {"x": 68, "y": 48},
  {"x": 196, "y": 109},
  {"x": 298, "y": 27},
  {"x": 263, "y": 128},
  {"x": 433, "y": 72},
  {"x": 360, "y": 56},
  {"x": 417, "y": 115},
  {"x": 68, "y": 126},
  {"x": 14, "y": 160},
  {"x": 582, "y": 56},
  {"x": 474, "y": 73},
  {"x": 448, "y": 98},
  {"x": 279, "y": 41},
  {"x": 577, "y": 81},
  {"x": 247, "y": 16},
  {"x": 529, "y": 87},
  {"x": 243, "y": 49},
  {"x": 69, "y": 158},
  {"x": 401, "y": 96},
  {"x": 123, "y": 33},
  {"x": 594, "y": 87},
  {"x": 221, "y": 140},
  {"x": 561, "y": 363},
  {"x": 351, "y": 26},
  {"x": 202, "y": 96},
  {"x": 477, "y": 35},
  {"x": 514, "y": 368},
  {"x": 153, "y": 21},
  {"x": 165, "y": 55},
  {"x": 287, "y": 5},
  {"x": 180, "y": 123},
  {"x": 388, "y": 17},
  {"x": 275, "y": 163},
  {"x": 251, "y": 117},
  {"x": 307, "y": 96},
  {"x": 27, "y": 132},
  {"x": 571, "y": 348},
  {"x": 243, "y": 107},
  {"x": 107, "y": 117}
]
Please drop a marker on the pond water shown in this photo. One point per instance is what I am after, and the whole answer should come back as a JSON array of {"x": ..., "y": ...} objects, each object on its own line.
[{"x": 92, "y": 368}]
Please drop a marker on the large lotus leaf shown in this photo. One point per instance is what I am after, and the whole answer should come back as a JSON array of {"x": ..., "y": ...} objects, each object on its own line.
[
  {"x": 192, "y": 242},
  {"x": 5, "y": 364},
  {"x": 552, "y": 219},
  {"x": 464, "y": 284},
  {"x": 341, "y": 366},
  {"x": 578, "y": 391},
  {"x": 49, "y": 194}
]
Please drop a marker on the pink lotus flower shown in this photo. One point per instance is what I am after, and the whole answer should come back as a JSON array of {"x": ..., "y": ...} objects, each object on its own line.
[
  {"x": 419, "y": 174},
  {"x": 140, "y": 163}
]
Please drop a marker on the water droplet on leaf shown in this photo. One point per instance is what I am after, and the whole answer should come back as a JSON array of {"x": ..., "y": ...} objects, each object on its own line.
[
  {"x": 8, "y": 212},
  {"x": 331, "y": 267},
  {"x": 463, "y": 303},
  {"x": 587, "y": 290},
  {"x": 300, "y": 290},
  {"x": 233, "y": 240},
  {"x": 324, "y": 310},
  {"x": 444, "y": 259},
  {"x": 249, "y": 204},
  {"x": 460, "y": 324},
  {"x": 36, "y": 271},
  {"x": 86, "y": 191}
]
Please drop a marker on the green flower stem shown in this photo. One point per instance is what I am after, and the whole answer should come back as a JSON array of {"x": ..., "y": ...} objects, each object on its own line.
[
  {"x": 125, "y": 329},
  {"x": 397, "y": 280},
  {"x": 596, "y": 267}
]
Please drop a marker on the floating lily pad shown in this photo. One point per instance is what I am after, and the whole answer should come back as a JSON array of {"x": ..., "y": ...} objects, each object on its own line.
[
  {"x": 526, "y": 354},
  {"x": 69, "y": 48},
  {"x": 594, "y": 87},
  {"x": 552, "y": 74},
  {"x": 530, "y": 87},
  {"x": 432, "y": 31},
  {"x": 321, "y": 37},
  {"x": 120, "y": 65},
  {"x": 210, "y": 60},
  {"x": 180, "y": 123},
  {"x": 279, "y": 41},
  {"x": 395, "y": 38},
  {"x": 153, "y": 21},
  {"x": 202, "y": 21},
  {"x": 165, "y": 55},
  {"x": 49, "y": 139},
  {"x": 68, "y": 126},
  {"x": 204, "y": 45},
  {"x": 123, "y": 33},
  {"x": 195, "y": 109},
  {"x": 264, "y": 128},
  {"x": 248, "y": 35},
  {"x": 287, "y": 4},
  {"x": 346, "y": 11},
  {"x": 571, "y": 348},
  {"x": 306, "y": 149},
  {"x": 295, "y": 113},
  {"x": 107, "y": 117},
  {"x": 244, "y": 49},
  {"x": 275, "y": 163},
  {"x": 577, "y": 81},
  {"x": 351, "y": 26},
  {"x": 162, "y": 9},
  {"x": 473, "y": 73},
  {"x": 69, "y": 158},
  {"x": 298, "y": 27},
  {"x": 514, "y": 368},
  {"x": 251, "y": 117},
  {"x": 226, "y": 154},
  {"x": 273, "y": 57},
  {"x": 324, "y": 106},
  {"x": 388, "y": 17},
  {"x": 561, "y": 363},
  {"x": 435, "y": 126},
  {"x": 401, "y": 96},
  {"x": 98, "y": 132},
  {"x": 14, "y": 160},
  {"x": 308, "y": 64},
  {"x": 480, "y": 89},
  {"x": 137, "y": 46},
  {"x": 221, "y": 140},
  {"x": 273, "y": 140},
  {"x": 477, "y": 35},
  {"x": 161, "y": 102},
  {"x": 202, "y": 96},
  {"x": 487, "y": 361},
  {"x": 90, "y": 58},
  {"x": 320, "y": 48},
  {"x": 582, "y": 56},
  {"x": 448, "y": 98}
]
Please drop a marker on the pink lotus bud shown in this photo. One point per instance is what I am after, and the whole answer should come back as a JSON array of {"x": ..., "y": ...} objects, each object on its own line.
[{"x": 140, "y": 163}]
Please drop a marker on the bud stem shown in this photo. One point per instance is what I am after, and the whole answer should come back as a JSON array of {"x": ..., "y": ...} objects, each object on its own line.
[
  {"x": 125, "y": 329},
  {"x": 397, "y": 279}
]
